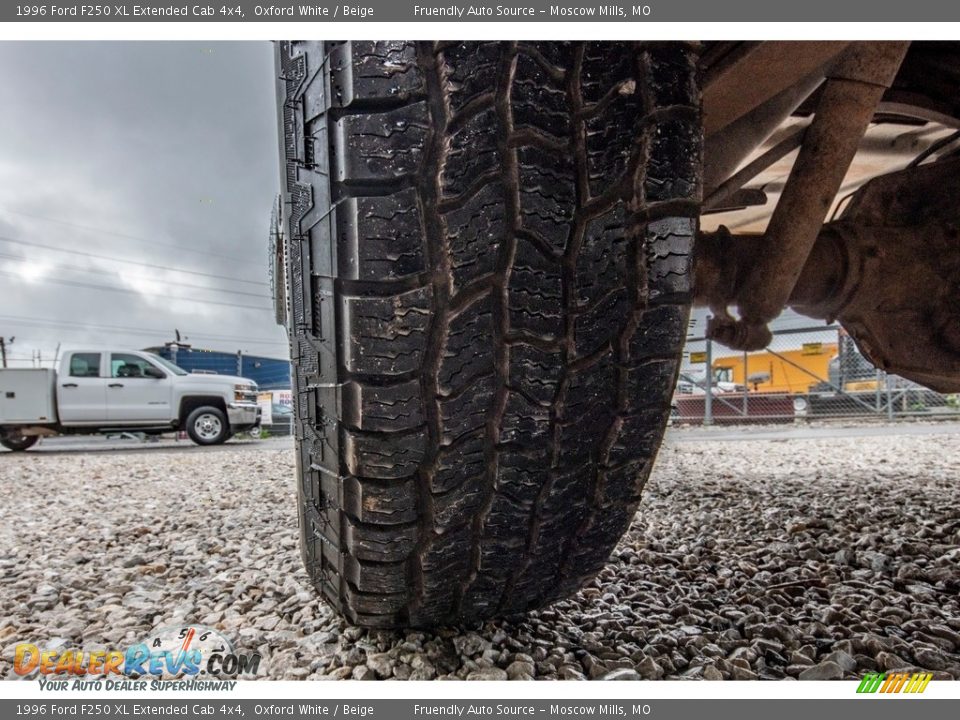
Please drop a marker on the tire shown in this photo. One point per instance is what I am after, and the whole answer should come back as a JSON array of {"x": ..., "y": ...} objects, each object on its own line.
[
  {"x": 17, "y": 443},
  {"x": 208, "y": 425},
  {"x": 488, "y": 269}
]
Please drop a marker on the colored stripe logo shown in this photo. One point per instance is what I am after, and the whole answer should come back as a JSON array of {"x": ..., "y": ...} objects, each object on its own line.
[{"x": 894, "y": 683}]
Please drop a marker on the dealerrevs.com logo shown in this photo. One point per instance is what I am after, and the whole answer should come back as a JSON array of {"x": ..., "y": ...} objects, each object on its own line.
[
  {"x": 176, "y": 653},
  {"x": 911, "y": 683}
]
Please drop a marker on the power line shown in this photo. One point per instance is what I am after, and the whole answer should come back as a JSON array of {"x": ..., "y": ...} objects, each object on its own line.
[
  {"x": 93, "y": 286},
  {"x": 125, "y": 236},
  {"x": 22, "y": 258},
  {"x": 34, "y": 341},
  {"x": 131, "y": 262},
  {"x": 77, "y": 326}
]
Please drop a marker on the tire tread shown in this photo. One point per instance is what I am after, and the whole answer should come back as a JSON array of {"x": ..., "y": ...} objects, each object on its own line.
[{"x": 488, "y": 259}]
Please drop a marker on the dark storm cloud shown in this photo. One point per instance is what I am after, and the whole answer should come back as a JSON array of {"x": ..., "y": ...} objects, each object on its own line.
[{"x": 129, "y": 150}]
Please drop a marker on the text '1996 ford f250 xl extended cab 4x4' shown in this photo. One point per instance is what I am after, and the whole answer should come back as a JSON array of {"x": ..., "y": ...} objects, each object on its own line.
[{"x": 97, "y": 391}]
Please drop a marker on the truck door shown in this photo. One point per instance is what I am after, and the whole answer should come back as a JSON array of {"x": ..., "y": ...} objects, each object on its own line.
[
  {"x": 81, "y": 392},
  {"x": 133, "y": 395}
]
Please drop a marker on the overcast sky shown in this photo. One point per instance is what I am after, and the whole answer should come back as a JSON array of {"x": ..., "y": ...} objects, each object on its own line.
[{"x": 159, "y": 153}]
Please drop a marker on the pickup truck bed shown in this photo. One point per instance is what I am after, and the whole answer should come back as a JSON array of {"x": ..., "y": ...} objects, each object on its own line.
[{"x": 27, "y": 396}]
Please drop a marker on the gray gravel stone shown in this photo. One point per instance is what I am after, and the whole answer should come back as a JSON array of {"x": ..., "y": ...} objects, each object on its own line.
[
  {"x": 649, "y": 669},
  {"x": 517, "y": 669},
  {"x": 487, "y": 674},
  {"x": 827, "y": 670},
  {"x": 892, "y": 661},
  {"x": 382, "y": 664},
  {"x": 712, "y": 673},
  {"x": 427, "y": 672},
  {"x": 843, "y": 660},
  {"x": 470, "y": 644},
  {"x": 930, "y": 659},
  {"x": 568, "y": 672},
  {"x": 362, "y": 672},
  {"x": 621, "y": 674},
  {"x": 738, "y": 672}
]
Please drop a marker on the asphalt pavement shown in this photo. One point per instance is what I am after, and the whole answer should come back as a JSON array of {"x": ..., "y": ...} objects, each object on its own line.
[
  {"x": 675, "y": 434},
  {"x": 807, "y": 431},
  {"x": 81, "y": 444}
]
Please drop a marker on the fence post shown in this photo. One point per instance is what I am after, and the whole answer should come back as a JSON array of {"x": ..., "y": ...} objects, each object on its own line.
[
  {"x": 886, "y": 379},
  {"x": 746, "y": 384},
  {"x": 879, "y": 380},
  {"x": 708, "y": 398}
]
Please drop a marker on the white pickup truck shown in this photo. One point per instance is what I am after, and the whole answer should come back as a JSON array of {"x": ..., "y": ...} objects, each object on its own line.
[{"x": 105, "y": 391}]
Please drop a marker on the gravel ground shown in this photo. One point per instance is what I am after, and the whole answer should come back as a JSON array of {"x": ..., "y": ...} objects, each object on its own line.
[{"x": 810, "y": 559}]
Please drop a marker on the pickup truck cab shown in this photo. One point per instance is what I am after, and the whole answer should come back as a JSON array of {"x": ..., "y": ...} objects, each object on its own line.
[{"x": 99, "y": 391}]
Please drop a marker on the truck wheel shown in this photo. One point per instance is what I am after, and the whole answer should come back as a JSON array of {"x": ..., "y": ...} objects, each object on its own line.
[
  {"x": 17, "y": 443},
  {"x": 208, "y": 426},
  {"x": 488, "y": 266}
]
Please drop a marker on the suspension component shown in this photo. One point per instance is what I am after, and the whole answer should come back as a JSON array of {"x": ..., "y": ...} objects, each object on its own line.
[
  {"x": 888, "y": 270},
  {"x": 846, "y": 106}
]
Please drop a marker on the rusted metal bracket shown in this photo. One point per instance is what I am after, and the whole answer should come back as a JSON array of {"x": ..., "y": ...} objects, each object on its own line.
[
  {"x": 854, "y": 87},
  {"x": 888, "y": 270}
]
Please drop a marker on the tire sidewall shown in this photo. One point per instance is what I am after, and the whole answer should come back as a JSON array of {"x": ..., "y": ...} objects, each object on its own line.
[{"x": 208, "y": 413}]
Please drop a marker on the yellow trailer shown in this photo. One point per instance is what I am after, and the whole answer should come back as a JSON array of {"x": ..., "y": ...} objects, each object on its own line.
[{"x": 787, "y": 371}]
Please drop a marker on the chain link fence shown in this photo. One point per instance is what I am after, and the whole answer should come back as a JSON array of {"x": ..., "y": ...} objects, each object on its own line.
[{"x": 807, "y": 373}]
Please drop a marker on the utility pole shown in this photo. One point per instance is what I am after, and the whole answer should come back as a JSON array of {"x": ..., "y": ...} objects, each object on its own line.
[
  {"x": 708, "y": 398},
  {"x": 3, "y": 348}
]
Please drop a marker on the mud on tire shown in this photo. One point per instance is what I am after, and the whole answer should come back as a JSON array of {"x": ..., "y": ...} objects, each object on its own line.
[{"x": 488, "y": 266}]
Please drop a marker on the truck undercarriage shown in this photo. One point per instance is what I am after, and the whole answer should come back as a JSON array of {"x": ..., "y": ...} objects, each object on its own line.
[{"x": 888, "y": 266}]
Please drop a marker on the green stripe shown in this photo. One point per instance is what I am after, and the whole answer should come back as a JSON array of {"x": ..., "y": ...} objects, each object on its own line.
[{"x": 871, "y": 683}]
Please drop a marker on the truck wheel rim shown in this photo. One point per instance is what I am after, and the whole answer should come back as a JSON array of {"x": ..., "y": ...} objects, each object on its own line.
[{"x": 208, "y": 426}]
